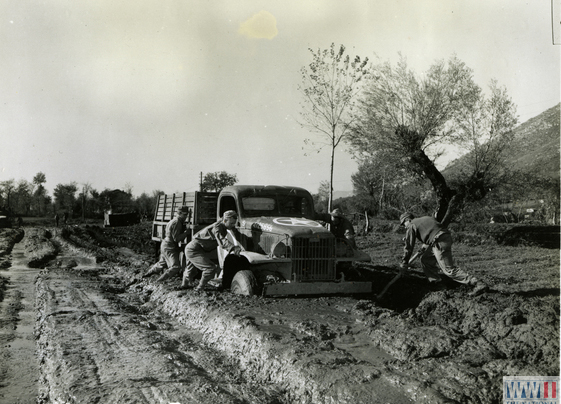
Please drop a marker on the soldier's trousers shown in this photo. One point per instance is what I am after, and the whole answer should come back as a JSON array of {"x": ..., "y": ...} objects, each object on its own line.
[
  {"x": 439, "y": 258},
  {"x": 198, "y": 259},
  {"x": 169, "y": 258}
]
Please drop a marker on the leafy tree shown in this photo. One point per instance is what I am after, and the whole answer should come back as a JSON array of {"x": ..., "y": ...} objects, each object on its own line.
[
  {"x": 40, "y": 198},
  {"x": 40, "y": 178},
  {"x": 6, "y": 190},
  {"x": 414, "y": 118},
  {"x": 330, "y": 84},
  {"x": 22, "y": 197},
  {"x": 215, "y": 182},
  {"x": 65, "y": 197},
  {"x": 384, "y": 187},
  {"x": 146, "y": 204}
]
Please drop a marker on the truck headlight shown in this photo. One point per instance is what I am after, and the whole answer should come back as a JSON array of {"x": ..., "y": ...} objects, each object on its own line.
[{"x": 279, "y": 250}]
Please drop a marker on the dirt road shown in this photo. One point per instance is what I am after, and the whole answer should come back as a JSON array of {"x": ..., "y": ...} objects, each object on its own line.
[
  {"x": 19, "y": 372},
  {"x": 106, "y": 335}
]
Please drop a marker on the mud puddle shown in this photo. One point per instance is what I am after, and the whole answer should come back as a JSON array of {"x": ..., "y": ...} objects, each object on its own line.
[{"x": 19, "y": 371}]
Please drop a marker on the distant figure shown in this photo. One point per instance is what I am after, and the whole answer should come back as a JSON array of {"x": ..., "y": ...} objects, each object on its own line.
[
  {"x": 19, "y": 221},
  {"x": 57, "y": 218},
  {"x": 65, "y": 217}
]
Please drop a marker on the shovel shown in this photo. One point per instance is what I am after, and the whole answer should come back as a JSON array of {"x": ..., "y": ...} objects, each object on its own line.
[{"x": 394, "y": 280}]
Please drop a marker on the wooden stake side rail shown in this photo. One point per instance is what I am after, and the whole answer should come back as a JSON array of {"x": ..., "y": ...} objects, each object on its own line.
[{"x": 202, "y": 211}]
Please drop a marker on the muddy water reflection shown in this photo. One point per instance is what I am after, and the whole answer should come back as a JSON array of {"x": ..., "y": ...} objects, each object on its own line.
[{"x": 19, "y": 370}]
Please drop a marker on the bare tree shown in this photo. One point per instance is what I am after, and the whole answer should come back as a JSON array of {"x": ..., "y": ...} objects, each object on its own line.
[
  {"x": 86, "y": 189},
  {"x": 128, "y": 188},
  {"x": 330, "y": 83},
  {"x": 415, "y": 118}
]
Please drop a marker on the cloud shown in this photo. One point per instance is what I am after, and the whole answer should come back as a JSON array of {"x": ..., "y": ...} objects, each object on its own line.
[{"x": 260, "y": 25}]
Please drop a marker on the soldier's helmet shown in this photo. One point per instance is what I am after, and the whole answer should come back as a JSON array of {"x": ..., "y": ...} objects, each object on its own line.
[
  {"x": 337, "y": 213},
  {"x": 405, "y": 216}
]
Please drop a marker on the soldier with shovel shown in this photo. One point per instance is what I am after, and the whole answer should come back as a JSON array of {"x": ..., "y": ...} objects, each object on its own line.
[{"x": 437, "y": 258}]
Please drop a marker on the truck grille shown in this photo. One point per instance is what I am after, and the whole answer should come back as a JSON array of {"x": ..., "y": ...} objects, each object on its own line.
[{"x": 313, "y": 259}]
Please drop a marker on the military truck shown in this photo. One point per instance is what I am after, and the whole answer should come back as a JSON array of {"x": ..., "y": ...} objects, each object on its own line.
[{"x": 285, "y": 248}]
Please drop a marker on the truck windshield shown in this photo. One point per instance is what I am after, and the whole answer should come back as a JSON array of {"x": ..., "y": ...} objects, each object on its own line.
[{"x": 277, "y": 205}]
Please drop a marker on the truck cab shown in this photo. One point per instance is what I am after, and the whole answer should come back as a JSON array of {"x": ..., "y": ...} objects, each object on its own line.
[{"x": 288, "y": 250}]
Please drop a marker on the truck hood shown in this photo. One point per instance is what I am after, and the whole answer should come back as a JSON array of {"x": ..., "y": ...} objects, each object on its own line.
[{"x": 291, "y": 226}]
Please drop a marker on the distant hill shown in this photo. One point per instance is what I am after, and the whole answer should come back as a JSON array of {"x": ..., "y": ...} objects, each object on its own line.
[
  {"x": 341, "y": 194},
  {"x": 535, "y": 147}
]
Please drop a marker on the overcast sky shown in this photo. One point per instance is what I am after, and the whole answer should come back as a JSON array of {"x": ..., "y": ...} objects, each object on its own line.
[{"x": 151, "y": 93}]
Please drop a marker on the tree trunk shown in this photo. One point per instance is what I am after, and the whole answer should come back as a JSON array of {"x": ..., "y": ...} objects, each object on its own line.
[
  {"x": 382, "y": 192},
  {"x": 443, "y": 193},
  {"x": 330, "y": 202},
  {"x": 453, "y": 207}
]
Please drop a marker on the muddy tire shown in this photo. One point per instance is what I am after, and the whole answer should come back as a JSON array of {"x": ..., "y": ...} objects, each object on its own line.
[
  {"x": 244, "y": 283},
  {"x": 232, "y": 265}
]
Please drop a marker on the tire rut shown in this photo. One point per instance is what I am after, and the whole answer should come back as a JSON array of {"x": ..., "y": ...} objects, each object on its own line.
[{"x": 93, "y": 351}]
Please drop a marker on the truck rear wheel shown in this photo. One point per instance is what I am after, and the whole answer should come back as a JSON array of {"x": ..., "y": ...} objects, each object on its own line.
[{"x": 244, "y": 283}]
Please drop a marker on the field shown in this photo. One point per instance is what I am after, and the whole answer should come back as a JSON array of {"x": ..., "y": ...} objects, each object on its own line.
[{"x": 105, "y": 334}]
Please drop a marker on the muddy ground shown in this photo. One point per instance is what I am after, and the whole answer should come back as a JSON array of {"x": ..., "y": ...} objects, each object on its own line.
[{"x": 79, "y": 324}]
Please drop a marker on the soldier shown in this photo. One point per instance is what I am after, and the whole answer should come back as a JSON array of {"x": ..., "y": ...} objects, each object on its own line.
[
  {"x": 341, "y": 227},
  {"x": 438, "y": 253},
  {"x": 170, "y": 249},
  {"x": 56, "y": 219},
  {"x": 203, "y": 244}
]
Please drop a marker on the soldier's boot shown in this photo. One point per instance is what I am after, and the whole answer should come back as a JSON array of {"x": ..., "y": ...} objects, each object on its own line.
[
  {"x": 152, "y": 271},
  {"x": 169, "y": 274},
  {"x": 478, "y": 289}
]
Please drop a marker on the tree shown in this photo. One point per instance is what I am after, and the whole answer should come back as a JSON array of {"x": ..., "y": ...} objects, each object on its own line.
[
  {"x": 22, "y": 197},
  {"x": 40, "y": 178},
  {"x": 146, "y": 204},
  {"x": 6, "y": 190},
  {"x": 321, "y": 199},
  {"x": 330, "y": 84},
  {"x": 86, "y": 189},
  {"x": 383, "y": 186},
  {"x": 415, "y": 118},
  {"x": 40, "y": 198},
  {"x": 215, "y": 182},
  {"x": 128, "y": 188},
  {"x": 65, "y": 198}
]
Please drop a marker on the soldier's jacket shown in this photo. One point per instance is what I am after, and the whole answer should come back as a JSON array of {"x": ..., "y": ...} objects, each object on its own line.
[
  {"x": 425, "y": 229},
  {"x": 212, "y": 236},
  {"x": 173, "y": 230}
]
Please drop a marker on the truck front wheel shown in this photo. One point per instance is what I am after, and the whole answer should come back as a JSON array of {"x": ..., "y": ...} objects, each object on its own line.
[{"x": 244, "y": 283}]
